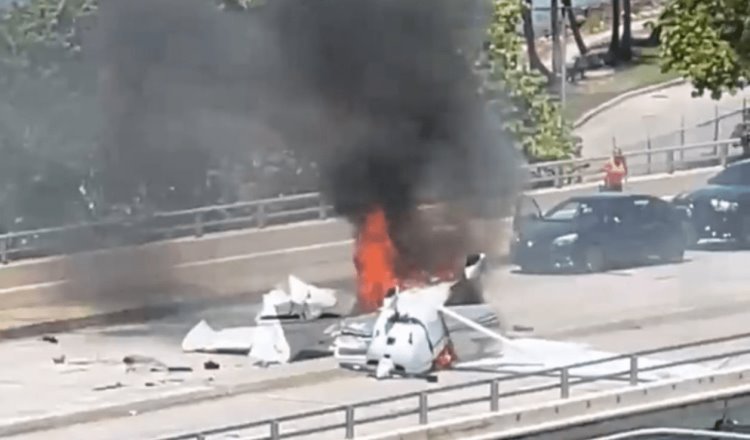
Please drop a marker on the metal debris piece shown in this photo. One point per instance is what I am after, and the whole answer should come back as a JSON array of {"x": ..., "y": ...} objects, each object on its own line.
[
  {"x": 134, "y": 361},
  {"x": 179, "y": 369},
  {"x": 109, "y": 387},
  {"x": 211, "y": 365},
  {"x": 50, "y": 339}
]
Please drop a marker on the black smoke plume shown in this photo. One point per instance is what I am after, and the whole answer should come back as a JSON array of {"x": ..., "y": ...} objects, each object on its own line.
[
  {"x": 397, "y": 115},
  {"x": 378, "y": 94}
]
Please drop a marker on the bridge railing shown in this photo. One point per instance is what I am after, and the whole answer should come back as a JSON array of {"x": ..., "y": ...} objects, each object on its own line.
[
  {"x": 674, "y": 433},
  {"x": 312, "y": 206},
  {"x": 492, "y": 392}
]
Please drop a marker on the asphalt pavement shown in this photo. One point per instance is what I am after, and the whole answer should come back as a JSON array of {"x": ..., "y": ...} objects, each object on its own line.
[{"x": 619, "y": 311}]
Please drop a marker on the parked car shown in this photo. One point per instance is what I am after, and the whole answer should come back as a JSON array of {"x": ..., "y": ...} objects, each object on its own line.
[
  {"x": 597, "y": 232},
  {"x": 721, "y": 209}
]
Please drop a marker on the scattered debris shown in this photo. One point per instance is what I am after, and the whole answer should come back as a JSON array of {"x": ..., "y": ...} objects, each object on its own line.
[
  {"x": 82, "y": 361},
  {"x": 523, "y": 328},
  {"x": 50, "y": 339},
  {"x": 109, "y": 387},
  {"x": 177, "y": 369},
  {"x": 211, "y": 365},
  {"x": 74, "y": 370},
  {"x": 202, "y": 338},
  {"x": 271, "y": 345},
  {"x": 133, "y": 361},
  {"x": 173, "y": 380},
  {"x": 138, "y": 359},
  {"x": 305, "y": 302},
  {"x": 58, "y": 359}
]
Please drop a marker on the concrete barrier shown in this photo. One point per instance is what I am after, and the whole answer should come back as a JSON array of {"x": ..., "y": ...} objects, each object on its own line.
[
  {"x": 592, "y": 415},
  {"x": 238, "y": 262}
]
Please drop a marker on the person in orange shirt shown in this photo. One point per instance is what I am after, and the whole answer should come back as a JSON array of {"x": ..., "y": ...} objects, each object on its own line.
[{"x": 615, "y": 171}]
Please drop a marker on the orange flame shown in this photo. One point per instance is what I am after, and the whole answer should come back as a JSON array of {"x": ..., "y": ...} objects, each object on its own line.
[{"x": 374, "y": 260}]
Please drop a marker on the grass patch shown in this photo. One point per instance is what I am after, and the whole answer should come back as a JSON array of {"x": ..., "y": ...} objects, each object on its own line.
[{"x": 594, "y": 90}]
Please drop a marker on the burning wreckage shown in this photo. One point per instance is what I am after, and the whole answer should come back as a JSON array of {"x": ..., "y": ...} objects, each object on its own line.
[
  {"x": 407, "y": 326},
  {"x": 415, "y": 331}
]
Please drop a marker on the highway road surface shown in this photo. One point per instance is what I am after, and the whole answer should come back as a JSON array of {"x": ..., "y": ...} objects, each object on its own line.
[{"x": 619, "y": 311}]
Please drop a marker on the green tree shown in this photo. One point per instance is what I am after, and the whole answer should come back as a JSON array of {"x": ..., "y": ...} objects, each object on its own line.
[
  {"x": 626, "y": 41},
  {"x": 614, "y": 41},
  {"x": 528, "y": 32},
  {"x": 575, "y": 27},
  {"x": 708, "y": 42},
  {"x": 47, "y": 110},
  {"x": 526, "y": 108}
]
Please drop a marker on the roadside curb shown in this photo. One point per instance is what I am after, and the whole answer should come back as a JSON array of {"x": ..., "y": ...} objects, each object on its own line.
[
  {"x": 624, "y": 97},
  {"x": 171, "y": 401},
  {"x": 122, "y": 316}
]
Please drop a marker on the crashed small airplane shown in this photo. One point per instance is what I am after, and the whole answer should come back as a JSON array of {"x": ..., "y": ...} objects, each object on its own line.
[
  {"x": 410, "y": 335},
  {"x": 287, "y": 323}
]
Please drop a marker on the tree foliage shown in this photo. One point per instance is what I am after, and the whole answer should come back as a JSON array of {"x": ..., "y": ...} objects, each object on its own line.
[
  {"x": 527, "y": 109},
  {"x": 708, "y": 42},
  {"x": 47, "y": 130}
]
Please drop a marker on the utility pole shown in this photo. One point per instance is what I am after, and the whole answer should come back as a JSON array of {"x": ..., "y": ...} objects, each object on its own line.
[
  {"x": 555, "y": 34},
  {"x": 564, "y": 56}
]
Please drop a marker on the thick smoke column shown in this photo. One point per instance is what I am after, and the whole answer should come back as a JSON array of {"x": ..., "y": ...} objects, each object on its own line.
[
  {"x": 378, "y": 93},
  {"x": 400, "y": 111}
]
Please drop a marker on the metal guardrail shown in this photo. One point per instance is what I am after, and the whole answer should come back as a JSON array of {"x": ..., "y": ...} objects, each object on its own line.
[
  {"x": 312, "y": 206},
  {"x": 677, "y": 432},
  {"x": 718, "y": 127},
  {"x": 564, "y": 382},
  {"x": 640, "y": 162},
  {"x": 163, "y": 225}
]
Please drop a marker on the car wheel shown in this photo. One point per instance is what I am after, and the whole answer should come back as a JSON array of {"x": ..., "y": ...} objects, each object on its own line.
[
  {"x": 593, "y": 260},
  {"x": 529, "y": 269},
  {"x": 691, "y": 235},
  {"x": 674, "y": 252},
  {"x": 744, "y": 233}
]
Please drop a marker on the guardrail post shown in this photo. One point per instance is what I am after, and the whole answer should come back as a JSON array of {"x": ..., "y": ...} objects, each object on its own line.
[
  {"x": 199, "y": 224},
  {"x": 648, "y": 156},
  {"x": 723, "y": 153},
  {"x": 716, "y": 125},
  {"x": 4, "y": 249},
  {"x": 682, "y": 137},
  {"x": 323, "y": 209},
  {"x": 275, "y": 430},
  {"x": 564, "y": 383},
  {"x": 495, "y": 395},
  {"x": 260, "y": 215},
  {"x": 423, "y": 408},
  {"x": 349, "y": 422},
  {"x": 560, "y": 176},
  {"x": 634, "y": 370},
  {"x": 670, "y": 161}
]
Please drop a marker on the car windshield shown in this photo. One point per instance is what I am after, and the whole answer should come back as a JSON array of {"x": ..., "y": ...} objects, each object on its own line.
[{"x": 568, "y": 211}]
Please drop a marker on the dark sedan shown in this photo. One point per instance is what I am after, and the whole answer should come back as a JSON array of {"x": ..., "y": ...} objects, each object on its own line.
[
  {"x": 597, "y": 232},
  {"x": 721, "y": 210}
]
